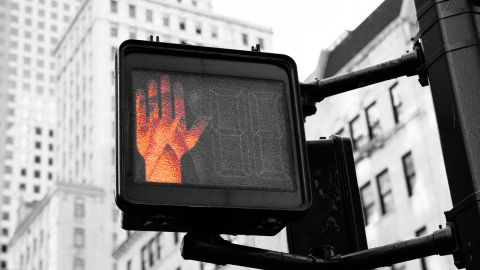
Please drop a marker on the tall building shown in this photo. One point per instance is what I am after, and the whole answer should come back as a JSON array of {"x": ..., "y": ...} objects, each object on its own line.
[
  {"x": 29, "y": 32},
  {"x": 85, "y": 129},
  {"x": 399, "y": 162},
  {"x": 54, "y": 234}
]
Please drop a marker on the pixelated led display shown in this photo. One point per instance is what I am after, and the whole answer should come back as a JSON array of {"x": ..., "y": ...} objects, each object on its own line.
[{"x": 212, "y": 130}]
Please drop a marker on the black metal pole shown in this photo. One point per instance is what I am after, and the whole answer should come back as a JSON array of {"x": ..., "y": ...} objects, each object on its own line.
[
  {"x": 406, "y": 65},
  {"x": 440, "y": 242},
  {"x": 315, "y": 91},
  {"x": 213, "y": 249},
  {"x": 450, "y": 36}
]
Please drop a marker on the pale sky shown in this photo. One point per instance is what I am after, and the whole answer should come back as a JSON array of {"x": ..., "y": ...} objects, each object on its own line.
[{"x": 301, "y": 28}]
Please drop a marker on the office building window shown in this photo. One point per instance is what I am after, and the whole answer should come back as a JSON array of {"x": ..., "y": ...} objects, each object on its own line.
[
  {"x": 198, "y": 28},
  {"x": 79, "y": 237},
  {"x": 10, "y": 111},
  {"x": 357, "y": 132},
  {"x": 399, "y": 266},
  {"x": 131, "y": 11},
  {"x": 5, "y": 232},
  {"x": 175, "y": 238},
  {"x": 79, "y": 207},
  {"x": 38, "y": 131},
  {"x": 214, "y": 32},
  {"x": 385, "y": 192},
  {"x": 150, "y": 245},
  {"x": 396, "y": 102},
  {"x": 113, "y": 6},
  {"x": 6, "y": 200},
  {"x": 261, "y": 42},
  {"x": 37, "y": 159},
  {"x": 159, "y": 246},
  {"x": 78, "y": 264},
  {"x": 8, "y": 154},
  {"x": 36, "y": 189},
  {"x": 149, "y": 15},
  {"x": 368, "y": 202},
  {"x": 129, "y": 265},
  {"x": 113, "y": 31},
  {"x": 166, "y": 20},
  {"x": 244, "y": 39},
  {"x": 423, "y": 261},
  {"x": 409, "y": 172},
  {"x": 144, "y": 257},
  {"x": 23, "y": 172},
  {"x": 182, "y": 24},
  {"x": 38, "y": 145},
  {"x": 113, "y": 51},
  {"x": 373, "y": 120},
  {"x": 36, "y": 174}
]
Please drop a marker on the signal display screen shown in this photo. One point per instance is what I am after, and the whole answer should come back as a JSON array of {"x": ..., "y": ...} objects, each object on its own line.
[{"x": 211, "y": 130}]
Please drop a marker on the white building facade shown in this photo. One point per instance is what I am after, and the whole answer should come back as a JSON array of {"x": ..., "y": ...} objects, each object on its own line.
[
  {"x": 29, "y": 32},
  {"x": 399, "y": 162},
  {"x": 59, "y": 232},
  {"x": 85, "y": 126}
]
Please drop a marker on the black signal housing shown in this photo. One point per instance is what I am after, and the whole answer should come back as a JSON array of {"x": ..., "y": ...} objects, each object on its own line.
[{"x": 208, "y": 139}]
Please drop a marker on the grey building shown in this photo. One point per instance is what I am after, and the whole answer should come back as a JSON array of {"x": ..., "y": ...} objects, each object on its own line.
[
  {"x": 29, "y": 31},
  {"x": 397, "y": 150}
]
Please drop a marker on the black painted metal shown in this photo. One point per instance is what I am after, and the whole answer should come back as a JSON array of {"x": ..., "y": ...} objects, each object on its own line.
[
  {"x": 407, "y": 65},
  {"x": 441, "y": 242},
  {"x": 214, "y": 249},
  {"x": 450, "y": 35},
  {"x": 335, "y": 218}
]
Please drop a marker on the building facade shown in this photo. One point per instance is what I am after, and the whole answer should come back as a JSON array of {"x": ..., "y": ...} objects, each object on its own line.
[
  {"x": 398, "y": 157},
  {"x": 29, "y": 32},
  {"x": 57, "y": 234},
  {"x": 85, "y": 127},
  {"x": 154, "y": 250}
]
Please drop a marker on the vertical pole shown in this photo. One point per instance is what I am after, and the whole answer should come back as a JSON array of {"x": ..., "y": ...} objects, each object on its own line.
[{"x": 450, "y": 36}]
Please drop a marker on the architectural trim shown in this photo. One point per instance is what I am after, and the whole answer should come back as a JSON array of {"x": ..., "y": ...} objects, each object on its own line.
[{"x": 23, "y": 225}]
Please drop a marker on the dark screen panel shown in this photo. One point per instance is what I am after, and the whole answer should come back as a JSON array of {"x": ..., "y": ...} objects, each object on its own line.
[{"x": 211, "y": 130}]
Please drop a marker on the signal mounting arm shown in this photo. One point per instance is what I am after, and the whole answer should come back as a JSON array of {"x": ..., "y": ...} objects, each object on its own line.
[{"x": 214, "y": 249}]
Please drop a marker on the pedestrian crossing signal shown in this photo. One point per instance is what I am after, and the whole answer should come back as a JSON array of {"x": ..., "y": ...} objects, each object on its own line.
[{"x": 208, "y": 139}]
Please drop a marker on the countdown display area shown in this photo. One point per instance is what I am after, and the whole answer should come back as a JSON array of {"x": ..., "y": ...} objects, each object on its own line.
[
  {"x": 217, "y": 131},
  {"x": 208, "y": 128}
]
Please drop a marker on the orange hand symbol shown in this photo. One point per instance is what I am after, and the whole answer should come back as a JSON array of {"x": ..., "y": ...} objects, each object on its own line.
[{"x": 162, "y": 142}]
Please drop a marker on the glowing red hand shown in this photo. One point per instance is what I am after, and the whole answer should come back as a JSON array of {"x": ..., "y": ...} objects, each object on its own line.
[{"x": 162, "y": 142}]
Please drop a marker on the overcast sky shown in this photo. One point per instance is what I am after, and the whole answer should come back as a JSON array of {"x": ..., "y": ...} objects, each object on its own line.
[{"x": 301, "y": 28}]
